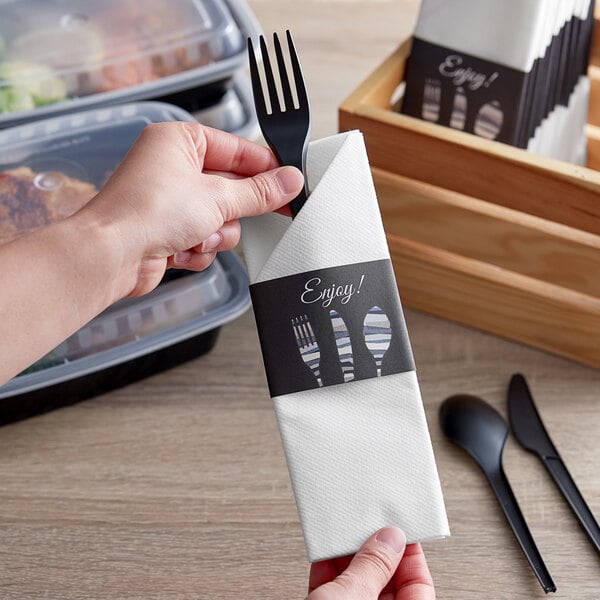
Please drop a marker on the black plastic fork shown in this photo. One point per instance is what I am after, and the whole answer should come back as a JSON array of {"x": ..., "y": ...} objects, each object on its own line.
[{"x": 286, "y": 128}]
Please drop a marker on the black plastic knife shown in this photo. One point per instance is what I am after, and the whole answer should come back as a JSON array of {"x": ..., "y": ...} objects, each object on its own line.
[{"x": 529, "y": 430}]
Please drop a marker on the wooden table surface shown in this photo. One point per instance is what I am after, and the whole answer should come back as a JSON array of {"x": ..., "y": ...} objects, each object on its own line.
[{"x": 176, "y": 487}]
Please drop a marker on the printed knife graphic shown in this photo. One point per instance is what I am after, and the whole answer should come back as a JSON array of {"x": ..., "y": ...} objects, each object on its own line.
[
  {"x": 377, "y": 331},
  {"x": 344, "y": 345}
]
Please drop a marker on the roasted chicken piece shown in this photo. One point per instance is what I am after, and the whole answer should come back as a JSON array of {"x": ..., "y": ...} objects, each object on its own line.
[{"x": 30, "y": 200}]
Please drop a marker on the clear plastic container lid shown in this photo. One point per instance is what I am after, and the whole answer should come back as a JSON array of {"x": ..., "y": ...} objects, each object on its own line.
[
  {"x": 234, "y": 112},
  {"x": 184, "y": 308},
  {"x": 48, "y": 170},
  {"x": 77, "y": 53}
]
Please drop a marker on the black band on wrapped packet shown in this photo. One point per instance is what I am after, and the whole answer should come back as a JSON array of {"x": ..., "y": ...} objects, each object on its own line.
[
  {"x": 464, "y": 92},
  {"x": 328, "y": 313},
  {"x": 331, "y": 326}
]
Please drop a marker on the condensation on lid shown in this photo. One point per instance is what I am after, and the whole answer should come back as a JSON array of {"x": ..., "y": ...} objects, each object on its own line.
[
  {"x": 81, "y": 35},
  {"x": 49, "y": 170},
  {"x": 54, "y": 49}
]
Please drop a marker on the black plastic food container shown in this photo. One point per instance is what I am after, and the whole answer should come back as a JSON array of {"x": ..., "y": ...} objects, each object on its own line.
[{"x": 71, "y": 157}]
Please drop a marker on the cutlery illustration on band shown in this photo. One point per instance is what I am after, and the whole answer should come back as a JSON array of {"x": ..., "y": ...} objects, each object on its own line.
[
  {"x": 308, "y": 346},
  {"x": 432, "y": 95},
  {"x": 488, "y": 122},
  {"x": 377, "y": 332},
  {"x": 344, "y": 345},
  {"x": 378, "y": 335},
  {"x": 458, "y": 117}
]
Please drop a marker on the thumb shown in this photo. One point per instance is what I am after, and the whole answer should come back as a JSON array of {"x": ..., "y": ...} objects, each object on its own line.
[
  {"x": 374, "y": 564},
  {"x": 263, "y": 193}
]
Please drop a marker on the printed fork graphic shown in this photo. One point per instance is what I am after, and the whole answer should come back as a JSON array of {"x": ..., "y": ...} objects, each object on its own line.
[
  {"x": 431, "y": 100},
  {"x": 307, "y": 345}
]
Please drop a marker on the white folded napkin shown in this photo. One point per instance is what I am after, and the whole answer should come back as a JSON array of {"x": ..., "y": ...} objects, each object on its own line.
[
  {"x": 562, "y": 133},
  {"x": 359, "y": 453},
  {"x": 500, "y": 69},
  {"x": 510, "y": 33}
]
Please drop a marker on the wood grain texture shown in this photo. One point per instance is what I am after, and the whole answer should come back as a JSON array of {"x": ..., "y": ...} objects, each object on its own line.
[
  {"x": 503, "y": 302},
  {"x": 176, "y": 487},
  {"x": 509, "y": 239},
  {"x": 594, "y": 109},
  {"x": 488, "y": 221}
]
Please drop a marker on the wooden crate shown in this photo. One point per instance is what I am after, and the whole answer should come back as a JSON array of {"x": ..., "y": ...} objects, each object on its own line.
[{"x": 483, "y": 233}]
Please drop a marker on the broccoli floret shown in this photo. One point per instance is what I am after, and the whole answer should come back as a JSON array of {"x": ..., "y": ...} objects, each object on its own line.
[
  {"x": 38, "y": 80},
  {"x": 13, "y": 99}
]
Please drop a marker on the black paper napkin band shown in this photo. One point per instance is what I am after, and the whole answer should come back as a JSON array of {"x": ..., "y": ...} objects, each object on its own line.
[
  {"x": 459, "y": 90},
  {"x": 494, "y": 95},
  {"x": 331, "y": 326}
]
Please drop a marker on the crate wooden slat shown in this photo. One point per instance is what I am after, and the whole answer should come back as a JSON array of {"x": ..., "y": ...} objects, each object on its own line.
[
  {"x": 483, "y": 233},
  {"x": 502, "y": 302},
  {"x": 466, "y": 163},
  {"x": 493, "y": 234}
]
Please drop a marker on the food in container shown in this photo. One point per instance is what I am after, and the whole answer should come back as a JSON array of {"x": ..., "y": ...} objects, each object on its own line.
[
  {"x": 48, "y": 170},
  {"x": 29, "y": 200},
  {"x": 57, "y": 56}
]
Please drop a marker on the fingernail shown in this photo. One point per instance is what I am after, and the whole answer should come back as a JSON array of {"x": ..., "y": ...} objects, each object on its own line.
[
  {"x": 181, "y": 258},
  {"x": 289, "y": 179},
  {"x": 212, "y": 242},
  {"x": 393, "y": 538}
]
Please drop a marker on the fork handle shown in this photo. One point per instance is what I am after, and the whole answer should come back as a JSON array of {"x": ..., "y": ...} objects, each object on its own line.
[
  {"x": 290, "y": 156},
  {"x": 298, "y": 202}
]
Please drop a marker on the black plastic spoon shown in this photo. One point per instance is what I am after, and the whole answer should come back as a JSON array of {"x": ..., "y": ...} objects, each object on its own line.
[{"x": 479, "y": 429}]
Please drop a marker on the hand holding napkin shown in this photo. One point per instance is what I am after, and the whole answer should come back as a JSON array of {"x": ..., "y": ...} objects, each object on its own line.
[{"x": 358, "y": 453}]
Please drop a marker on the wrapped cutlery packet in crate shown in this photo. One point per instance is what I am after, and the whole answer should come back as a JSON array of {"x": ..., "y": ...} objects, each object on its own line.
[
  {"x": 338, "y": 361},
  {"x": 509, "y": 71},
  {"x": 51, "y": 168}
]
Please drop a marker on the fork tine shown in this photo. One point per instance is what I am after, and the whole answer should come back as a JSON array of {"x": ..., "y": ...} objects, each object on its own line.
[
  {"x": 257, "y": 90},
  {"x": 311, "y": 333},
  {"x": 298, "y": 79},
  {"x": 305, "y": 336},
  {"x": 269, "y": 76},
  {"x": 297, "y": 331},
  {"x": 283, "y": 75}
]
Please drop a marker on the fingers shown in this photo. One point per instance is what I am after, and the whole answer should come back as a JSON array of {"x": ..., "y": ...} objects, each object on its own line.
[
  {"x": 412, "y": 579},
  {"x": 207, "y": 148},
  {"x": 373, "y": 565},
  {"x": 201, "y": 256},
  {"x": 262, "y": 193},
  {"x": 223, "y": 151},
  {"x": 284, "y": 210},
  {"x": 384, "y": 569}
]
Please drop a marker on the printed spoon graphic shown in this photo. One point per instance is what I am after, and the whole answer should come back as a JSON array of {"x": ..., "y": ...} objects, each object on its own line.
[
  {"x": 488, "y": 122},
  {"x": 377, "y": 331}
]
